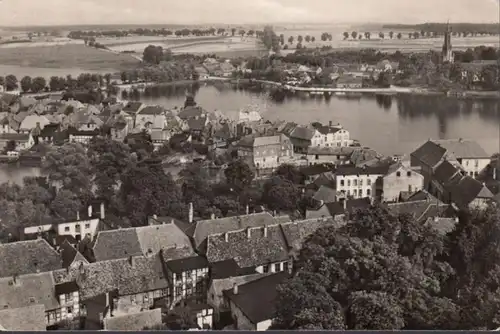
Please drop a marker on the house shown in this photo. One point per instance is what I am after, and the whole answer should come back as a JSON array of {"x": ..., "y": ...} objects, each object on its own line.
[
  {"x": 27, "y": 318},
  {"x": 151, "y": 117},
  {"x": 80, "y": 136},
  {"x": 114, "y": 287},
  {"x": 202, "y": 73},
  {"x": 333, "y": 136},
  {"x": 331, "y": 155},
  {"x": 120, "y": 127},
  {"x": 427, "y": 158},
  {"x": 312, "y": 172},
  {"x": 5, "y": 124},
  {"x": 227, "y": 69},
  {"x": 85, "y": 225},
  {"x": 325, "y": 194},
  {"x": 419, "y": 210},
  {"x": 190, "y": 112},
  {"x": 141, "y": 241},
  {"x": 264, "y": 248},
  {"x": 197, "y": 127},
  {"x": 398, "y": 179},
  {"x": 22, "y": 141},
  {"x": 253, "y": 304},
  {"x": 302, "y": 138},
  {"x": 133, "y": 321},
  {"x": 337, "y": 210},
  {"x": 468, "y": 193},
  {"x": 349, "y": 82},
  {"x": 133, "y": 107},
  {"x": 160, "y": 137},
  {"x": 31, "y": 121},
  {"x": 60, "y": 301},
  {"x": 248, "y": 116},
  {"x": 48, "y": 132},
  {"x": 265, "y": 152},
  {"x": 471, "y": 156},
  {"x": 358, "y": 182},
  {"x": 201, "y": 230},
  {"x": 224, "y": 275}
]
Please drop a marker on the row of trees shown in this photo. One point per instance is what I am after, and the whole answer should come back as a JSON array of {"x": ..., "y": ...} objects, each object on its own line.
[
  {"x": 472, "y": 29},
  {"x": 386, "y": 272},
  {"x": 161, "y": 32}
]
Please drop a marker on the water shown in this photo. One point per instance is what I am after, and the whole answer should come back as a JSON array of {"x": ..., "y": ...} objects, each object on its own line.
[{"x": 396, "y": 125}]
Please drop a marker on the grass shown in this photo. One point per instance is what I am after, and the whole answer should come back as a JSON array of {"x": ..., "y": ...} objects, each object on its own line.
[{"x": 66, "y": 56}]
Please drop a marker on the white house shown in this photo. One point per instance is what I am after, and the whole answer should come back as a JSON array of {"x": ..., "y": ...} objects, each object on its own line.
[
  {"x": 358, "y": 182},
  {"x": 399, "y": 179},
  {"x": 332, "y": 136}
]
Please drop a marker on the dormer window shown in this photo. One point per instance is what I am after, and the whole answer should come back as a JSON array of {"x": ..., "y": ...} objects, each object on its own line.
[
  {"x": 32, "y": 299},
  {"x": 398, "y": 174}
]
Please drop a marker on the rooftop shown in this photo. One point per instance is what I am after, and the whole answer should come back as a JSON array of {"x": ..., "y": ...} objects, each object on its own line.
[
  {"x": 29, "y": 318},
  {"x": 463, "y": 148}
]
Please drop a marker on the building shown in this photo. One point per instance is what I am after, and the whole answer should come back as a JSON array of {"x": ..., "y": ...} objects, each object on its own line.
[
  {"x": 83, "y": 137},
  {"x": 302, "y": 138},
  {"x": 398, "y": 179},
  {"x": 19, "y": 141},
  {"x": 252, "y": 304},
  {"x": 358, "y": 182},
  {"x": 133, "y": 321},
  {"x": 337, "y": 210},
  {"x": 32, "y": 256},
  {"x": 133, "y": 107},
  {"x": 331, "y": 155},
  {"x": 349, "y": 82},
  {"x": 315, "y": 171},
  {"x": 333, "y": 136},
  {"x": 471, "y": 156},
  {"x": 428, "y": 156},
  {"x": 419, "y": 210},
  {"x": 447, "y": 52},
  {"x": 31, "y": 121},
  {"x": 151, "y": 117},
  {"x": 266, "y": 152},
  {"x": 28, "y": 318}
]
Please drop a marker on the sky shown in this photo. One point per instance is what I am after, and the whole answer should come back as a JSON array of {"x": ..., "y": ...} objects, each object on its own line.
[{"x": 86, "y": 12}]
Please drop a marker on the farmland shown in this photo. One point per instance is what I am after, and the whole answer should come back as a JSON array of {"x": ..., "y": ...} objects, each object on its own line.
[{"x": 68, "y": 56}]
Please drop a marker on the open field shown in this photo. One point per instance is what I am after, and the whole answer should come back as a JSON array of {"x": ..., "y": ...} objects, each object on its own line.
[
  {"x": 66, "y": 56},
  {"x": 131, "y": 40}
]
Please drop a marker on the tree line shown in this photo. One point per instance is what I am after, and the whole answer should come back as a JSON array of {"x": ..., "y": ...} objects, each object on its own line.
[{"x": 472, "y": 29}]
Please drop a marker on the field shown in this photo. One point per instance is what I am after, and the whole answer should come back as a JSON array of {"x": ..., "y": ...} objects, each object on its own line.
[{"x": 69, "y": 56}]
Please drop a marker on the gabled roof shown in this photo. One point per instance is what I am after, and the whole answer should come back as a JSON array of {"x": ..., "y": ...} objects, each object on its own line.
[
  {"x": 251, "y": 141},
  {"x": 27, "y": 257},
  {"x": 297, "y": 232},
  {"x": 145, "y": 240},
  {"x": 445, "y": 172},
  {"x": 190, "y": 112},
  {"x": 316, "y": 169},
  {"x": 152, "y": 110},
  {"x": 325, "y": 194},
  {"x": 465, "y": 191},
  {"x": 249, "y": 247},
  {"x": 324, "y": 130},
  {"x": 340, "y": 151},
  {"x": 345, "y": 170},
  {"x": 302, "y": 133},
  {"x": 69, "y": 254},
  {"x": 229, "y": 268},
  {"x": 128, "y": 276},
  {"x": 429, "y": 153},
  {"x": 204, "y": 228},
  {"x": 28, "y": 290},
  {"x": 463, "y": 149},
  {"x": 29, "y": 318},
  {"x": 420, "y": 210},
  {"x": 133, "y": 106},
  {"x": 256, "y": 299}
]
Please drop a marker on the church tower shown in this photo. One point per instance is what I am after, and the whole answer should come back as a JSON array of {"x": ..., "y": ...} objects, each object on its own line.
[{"x": 447, "y": 54}]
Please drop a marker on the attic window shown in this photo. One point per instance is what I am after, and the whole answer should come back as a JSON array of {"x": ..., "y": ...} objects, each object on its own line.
[
  {"x": 408, "y": 173},
  {"x": 32, "y": 299},
  {"x": 398, "y": 174}
]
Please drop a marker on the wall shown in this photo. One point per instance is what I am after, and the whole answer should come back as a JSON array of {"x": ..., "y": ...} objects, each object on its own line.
[
  {"x": 266, "y": 156},
  {"x": 264, "y": 325},
  {"x": 393, "y": 184},
  {"x": 86, "y": 227},
  {"x": 352, "y": 184},
  {"x": 474, "y": 167},
  {"x": 37, "y": 229}
]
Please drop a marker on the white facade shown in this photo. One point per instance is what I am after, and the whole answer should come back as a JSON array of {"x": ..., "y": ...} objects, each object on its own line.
[
  {"x": 400, "y": 180},
  {"x": 340, "y": 138},
  {"x": 274, "y": 267},
  {"x": 80, "y": 139},
  {"x": 473, "y": 167},
  {"x": 79, "y": 229},
  {"x": 356, "y": 186}
]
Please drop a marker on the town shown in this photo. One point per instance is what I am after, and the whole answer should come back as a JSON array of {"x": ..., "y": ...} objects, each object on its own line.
[{"x": 146, "y": 208}]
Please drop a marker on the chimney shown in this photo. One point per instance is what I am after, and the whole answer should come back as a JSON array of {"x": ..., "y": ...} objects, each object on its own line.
[
  {"x": 235, "y": 288},
  {"x": 190, "y": 212},
  {"x": 330, "y": 123},
  {"x": 265, "y": 231},
  {"x": 14, "y": 279},
  {"x": 345, "y": 204},
  {"x": 212, "y": 216},
  {"x": 89, "y": 209},
  {"x": 274, "y": 213},
  {"x": 436, "y": 219},
  {"x": 247, "y": 210},
  {"x": 249, "y": 233},
  {"x": 226, "y": 237},
  {"x": 78, "y": 215},
  {"x": 102, "y": 210},
  {"x": 456, "y": 219},
  {"x": 172, "y": 221}
]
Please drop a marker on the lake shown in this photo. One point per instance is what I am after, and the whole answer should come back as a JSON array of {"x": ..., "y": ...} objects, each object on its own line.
[{"x": 390, "y": 125}]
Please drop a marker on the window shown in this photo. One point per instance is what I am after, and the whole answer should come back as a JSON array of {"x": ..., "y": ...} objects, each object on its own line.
[
  {"x": 32, "y": 299},
  {"x": 408, "y": 173},
  {"x": 66, "y": 229},
  {"x": 341, "y": 183},
  {"x": 265, "y": 268},
  {"x": 409, "y": 188},
  {"x": 360, "y": 183},
  {"x": 398, "y": 174},
  {"x": 70, "y": 310},
  {"x": 348, "y": 183},
  {"x": 476, "y": 163},
  {"x": 285, "y": 267},
  {"x": 67, "y": 296},
  {"x": 316, "y": 156},
  {"x": 277, "y": 267},
  {"x": 355, "y": 182},
  {"x": 476, "y": 174},
  {"x": 368, "y": 192},
  {"x": 369, "y": 182},
  {"x": 77, "y": 227},
  {"x": 87, "y": 225}
]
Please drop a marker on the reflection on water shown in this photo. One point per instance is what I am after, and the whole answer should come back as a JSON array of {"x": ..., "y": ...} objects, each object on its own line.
[{"x": 391, "y": 125}]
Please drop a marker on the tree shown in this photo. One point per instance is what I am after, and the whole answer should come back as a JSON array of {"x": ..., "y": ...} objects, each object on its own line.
[
  {"x": 367, "y": 35},
  {"x": 238, "y": 174},
  {"x": 39, "y": 84},
  {"x": 308, "y": 38},
  {"x": 354, "y": 34},
  {"x": 290, "y": 39},
  {"x": 391, "y": 34},
  {"x": 313, "y": 39},
  {"x": 153, "y": 54},
  {"x": 10, "y": 146},
  {"x": 291, "y": 173},
  {"x": 381, "y": 35},
  {"x": 281, "y": 194},
  {"x": 233, "y": 31},
  {"x": 26, "y": 83},
  {"x": 375, "y": 269},
  {"x": 346, "y": 35},
  {"x": 416, "y": 35},
  {"x": 300, "y": 39},
  {"x": 107, "y": 77},
  {"x": 399, "y": 35}
]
